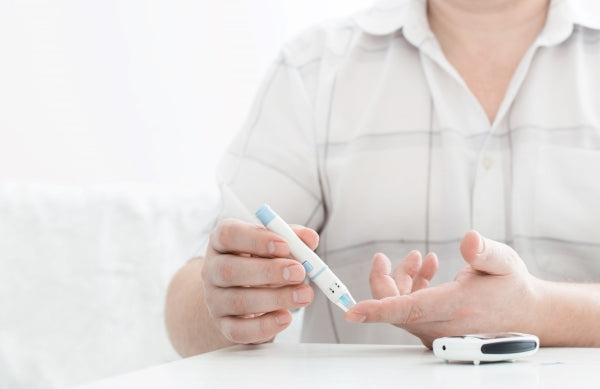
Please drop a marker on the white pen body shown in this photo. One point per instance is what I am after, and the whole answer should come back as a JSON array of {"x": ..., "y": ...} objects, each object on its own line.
[{"x": 316, "y": 269}]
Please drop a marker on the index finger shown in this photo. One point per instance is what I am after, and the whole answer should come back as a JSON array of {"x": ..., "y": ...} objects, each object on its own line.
[
  {"x": 426, "y": 305},
  {"x": 235, "y": 237}
]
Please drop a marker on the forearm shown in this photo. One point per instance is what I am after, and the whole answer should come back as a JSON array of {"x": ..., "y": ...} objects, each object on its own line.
[
  {"x": 189, "y": 325},
  {"x": 569, "y": 314}
]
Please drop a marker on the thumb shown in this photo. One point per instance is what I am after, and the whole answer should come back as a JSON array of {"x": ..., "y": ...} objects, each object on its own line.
[
  {"x": 489, "y": 256},
  {"x": 308, "y": 235}
]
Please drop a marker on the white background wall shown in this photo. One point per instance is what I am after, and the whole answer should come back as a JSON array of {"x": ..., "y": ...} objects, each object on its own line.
[{"x": 135, "y": 91}]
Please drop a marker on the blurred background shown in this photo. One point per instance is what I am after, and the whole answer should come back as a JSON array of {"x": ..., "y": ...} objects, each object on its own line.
[{"x": 113, "y": 117}]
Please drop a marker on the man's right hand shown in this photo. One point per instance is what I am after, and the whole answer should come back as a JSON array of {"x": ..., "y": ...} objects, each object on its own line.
[{"x": 251, "y": 282}]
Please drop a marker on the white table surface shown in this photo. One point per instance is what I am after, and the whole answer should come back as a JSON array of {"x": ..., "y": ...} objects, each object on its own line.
[{"x": 361, "y": 366}]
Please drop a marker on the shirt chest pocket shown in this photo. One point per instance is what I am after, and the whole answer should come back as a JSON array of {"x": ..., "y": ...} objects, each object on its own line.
[{"x": 567, "y": 195}]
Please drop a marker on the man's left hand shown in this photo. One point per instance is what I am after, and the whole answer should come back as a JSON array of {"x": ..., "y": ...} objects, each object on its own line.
[{"x": 493, "y": 293}]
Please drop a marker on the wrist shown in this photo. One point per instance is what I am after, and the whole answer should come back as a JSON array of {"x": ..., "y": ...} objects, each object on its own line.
[
  {"x": 542, "y": 322},
  {"x": 567, "y": 314},
  {"x": 189, "y": 326}
]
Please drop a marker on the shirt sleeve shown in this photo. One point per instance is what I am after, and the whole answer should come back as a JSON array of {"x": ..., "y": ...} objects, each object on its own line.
[{"x": 274, "y": 158}]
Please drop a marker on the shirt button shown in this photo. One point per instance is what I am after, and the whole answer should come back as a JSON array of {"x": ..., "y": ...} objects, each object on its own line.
[{"x": 487, "y": 162}]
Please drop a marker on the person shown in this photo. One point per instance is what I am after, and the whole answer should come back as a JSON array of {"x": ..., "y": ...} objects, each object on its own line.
[{"x": 457, "y": 139}]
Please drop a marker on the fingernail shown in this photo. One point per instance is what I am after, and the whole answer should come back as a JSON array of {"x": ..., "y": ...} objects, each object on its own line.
[
  {"x": 278, "y": 248},
  {"x": 293, "y": 273},
  {"x": 481, "y": 245},
  {"x": 302, "y": 295},
  {"x": 282, "y": 318},
  {"x": 356, "y": 317}
]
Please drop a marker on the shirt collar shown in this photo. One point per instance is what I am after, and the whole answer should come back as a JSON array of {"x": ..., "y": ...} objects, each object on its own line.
[
  {"x": 388, "y": 16},
  {"x": 563, "y": 15},
  {"x": 585, "y": 13}
]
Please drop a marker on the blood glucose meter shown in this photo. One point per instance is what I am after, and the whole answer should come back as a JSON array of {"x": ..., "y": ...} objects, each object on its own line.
[{"x": 495, "y": 347}]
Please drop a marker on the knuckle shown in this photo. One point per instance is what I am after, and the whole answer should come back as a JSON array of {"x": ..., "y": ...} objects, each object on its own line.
[
  {"x": 231, "y": 331},
  {"x": 415, "y": 313},
  {"x": 259, "y": 242},
  {"x": 238, "y": 302},
  {"x": 372, "y": 278},
  {"x": 211, "y": 310},
  {"x": 259, "y": 227},
  {"x": 212, "y": 301},
  {"x": 226, "y": 271},
  {"x": 235, "y": 334},
  {"x": 264, "y": 327},
  {"x": 273, "y": 272},
  {"x": 204, "y": 272},
  {"x": 224, "y": 233},
  {"x": 282, "y": 299}
]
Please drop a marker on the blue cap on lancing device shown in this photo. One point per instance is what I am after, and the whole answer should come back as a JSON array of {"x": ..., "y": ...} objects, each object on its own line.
[{"x": 265, "y": 214}]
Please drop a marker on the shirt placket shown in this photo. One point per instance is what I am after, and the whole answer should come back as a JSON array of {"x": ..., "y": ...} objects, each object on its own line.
[{"x": 490, "y": 195}]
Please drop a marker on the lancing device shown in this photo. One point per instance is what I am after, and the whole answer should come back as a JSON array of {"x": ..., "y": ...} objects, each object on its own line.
[{"x": 316, "y": 269}]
